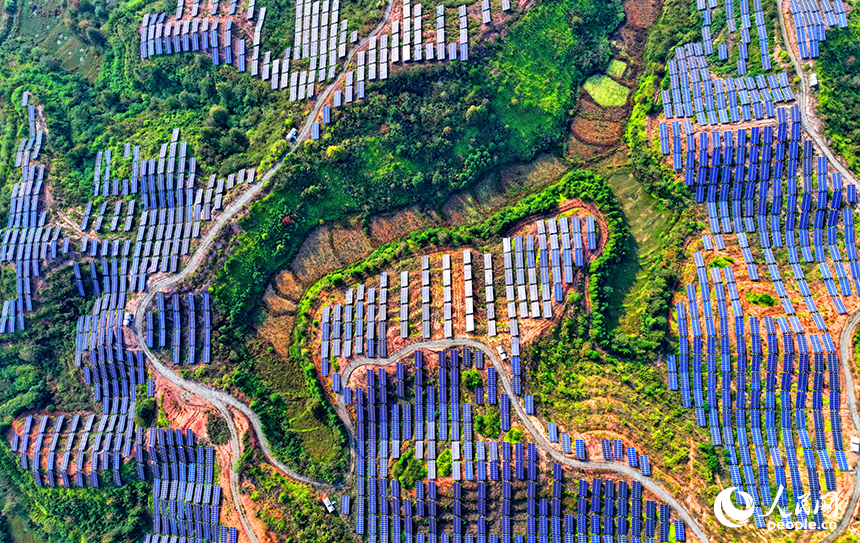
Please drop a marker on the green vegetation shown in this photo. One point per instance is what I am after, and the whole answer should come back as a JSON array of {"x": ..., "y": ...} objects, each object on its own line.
[
  {"x": 644, "y": 281},
  {"x": 514, "y": 435},
  {"x": 646, "y": 302},
  {"x": 217, "y": 429},
  {"x": 472, "y": 379},
  {"x": 722, "y": 262},
  {"x": 409, "y": 469},
  {"x": 144, "y": 411},
  {"x": 856, "y": 342},
  {"x": 585, "y": 388},
  {"x": 765, "y": 300},
  {"x": 163, "y": 421},
  {"x": 293, "y": 512},
  {"x": 303, "y": 429},
  {"x": 712, "y": 460},
  {"x": 543, "y": 61},
  {"x": 443, "y": 464},
  {"x": 605, "y": 91},
  {"x": 616, "y": 69},
  {"x": 489, "y": 425},
  {"x": 839, "y": 90}
]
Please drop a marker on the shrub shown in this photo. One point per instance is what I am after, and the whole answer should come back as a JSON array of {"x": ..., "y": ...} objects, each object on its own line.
[{"x": 765, "y": 300}]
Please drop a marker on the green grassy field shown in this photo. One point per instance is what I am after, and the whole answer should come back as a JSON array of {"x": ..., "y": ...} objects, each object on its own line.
[
  {"x": 616, "y": 69},
  {"x": 605, "y": 91},
  {"x": 647, "y": 220}
]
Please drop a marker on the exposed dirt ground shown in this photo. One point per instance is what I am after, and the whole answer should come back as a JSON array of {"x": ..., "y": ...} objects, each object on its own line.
[{"x": 390, "y": 226}]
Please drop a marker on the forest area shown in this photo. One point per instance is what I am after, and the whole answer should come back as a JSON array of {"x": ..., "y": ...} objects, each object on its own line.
[{"x": 838, "y": 69}]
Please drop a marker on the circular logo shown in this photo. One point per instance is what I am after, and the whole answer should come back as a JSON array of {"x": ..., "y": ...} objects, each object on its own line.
[{"x": 726, "y": 512}]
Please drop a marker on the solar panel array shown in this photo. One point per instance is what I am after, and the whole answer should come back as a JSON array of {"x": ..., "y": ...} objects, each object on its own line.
[
  {"x": 112, "y": 371},
  {"x": 320, "y": 41},
  {"x": 732, "y": 420},
  {"x": 169, "y": 215},
  {"x": 448, "y": 297},
  {"x": 360, "y": 325},
  {"x": 694, "y": 93},
  {"x": 320, "y": 37},
  {"x": 75, "y": 454},
  {"x": 160, "y": 36},
  {"x": 433, "y": 418},
  {"x": 468, "y": 292},
  {"x": 811, "y": 20},
  {"x": 356, "y": 326},
  {"x": 27, "y": 242},
  {"x": 186, "y": 501},
  {"x": 706, "y": 8},
  {"x": 426, "y": 323},
  {"x": 743, "y": 189},
  {"x": 179, "y": 339}
]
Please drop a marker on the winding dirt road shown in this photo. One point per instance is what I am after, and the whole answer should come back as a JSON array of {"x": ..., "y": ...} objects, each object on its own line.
[
  {"x": 537, "y": 435},
  {"x": 220, "y": 400}
]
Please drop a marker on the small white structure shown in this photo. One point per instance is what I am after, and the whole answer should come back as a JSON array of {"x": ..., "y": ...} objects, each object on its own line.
[{"x": 328, "y": 505}]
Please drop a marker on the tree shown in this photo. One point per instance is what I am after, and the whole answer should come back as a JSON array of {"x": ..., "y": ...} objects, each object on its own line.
[
  {"x": 335, "y": 153},
  {"x": 144, "y": 411},
  {"x": 172, "y": 103},
  {"x": 408, "y": 469},
  {"x": 443, "y": 463},
  {"x": 472, "y": 379},
  {"x": 188, "y": 100},
  {"x": 234, "y": 142},
  {"x": 515, "y": 435},
  {"x": 218, "y": 116},
  {"x": 489, "y": 425},
  {"x": 476, "y": 114},
  {"x": 217, "y": 429},
  {"x": 95, "y": 36}
]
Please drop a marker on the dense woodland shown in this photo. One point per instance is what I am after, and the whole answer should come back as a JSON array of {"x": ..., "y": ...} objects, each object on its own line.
[{"x": 838, "y": 68}]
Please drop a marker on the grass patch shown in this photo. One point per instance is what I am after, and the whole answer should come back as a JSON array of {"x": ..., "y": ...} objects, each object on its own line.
[
  {"x": 18, "y": 532},
  {"x": 488, "y": 425},
  {"x": 722, "y": 262},
  {"x": 444, "y": 463},
  {"x": 616, "y": 69},
  {"x": 764, "y": 300},
  {"x": 857, "y": 348},
  {"x": 647, "y": 219},
  {"x": 606, "y": 91}
]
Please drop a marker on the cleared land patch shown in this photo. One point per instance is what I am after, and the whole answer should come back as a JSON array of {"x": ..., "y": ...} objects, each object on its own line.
[{"x": 606, "y": 91}]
